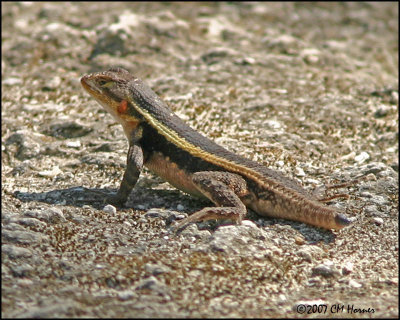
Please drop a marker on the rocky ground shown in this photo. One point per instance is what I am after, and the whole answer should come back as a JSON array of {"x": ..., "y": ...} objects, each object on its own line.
[{"x": 309, "y": 89}]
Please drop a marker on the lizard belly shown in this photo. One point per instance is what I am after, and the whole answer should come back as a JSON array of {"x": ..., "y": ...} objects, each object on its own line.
[{"x": 168, "y": 170}]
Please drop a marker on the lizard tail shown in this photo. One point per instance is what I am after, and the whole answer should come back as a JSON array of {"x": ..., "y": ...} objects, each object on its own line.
[
  {"x": 325, "y": 217},
  {"x": 342, "y": 221}
]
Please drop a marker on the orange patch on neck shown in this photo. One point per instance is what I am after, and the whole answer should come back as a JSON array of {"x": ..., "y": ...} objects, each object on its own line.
[{"x": 123, "y": 107}]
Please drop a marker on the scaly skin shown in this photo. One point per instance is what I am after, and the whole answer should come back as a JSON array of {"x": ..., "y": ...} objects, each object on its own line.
[{"x": 161, "y": 141}]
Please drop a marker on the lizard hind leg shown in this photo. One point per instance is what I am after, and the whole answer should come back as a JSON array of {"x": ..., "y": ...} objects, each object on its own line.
[{"x": 224, "y": 189}]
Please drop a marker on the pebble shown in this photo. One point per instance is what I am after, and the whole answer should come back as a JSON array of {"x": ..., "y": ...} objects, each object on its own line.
[
  {"x": 247, "y": 239},
  {"x": 48, "y": 309},
  {"x": 28, "y": 147},
  {"x": 155, "y": 269},
  {"x": 378, "y": 221},
  {"x": 246, "y": 287},
  {"x": 249, "y": 223},
  {"x": 15, "y": 252},
  {"x": 299, "y": 172},
  {"x": 127, "y": 223},
  {"x": 149, "y": 283},
  {"x": 22, "y": 270},
  {"x": 299, "y": 240},
  {"x": 24, "y": 282},
  {"x": 51, "y": 215},
  {"x": 30, "y": 222},
  {"x": 362, "y": 157},
  {"x": 14, "y": 227},
  {"x": 12, "y": 81},
  {"x": 326, "y": 270},
  {"x": 305, "y": 255},
  {"x": 73, "y": 144},
  {"x": 354, "y": 284},
  {"x": 273, "y": 124},
  {"x": 55, "y": 171},
  {"x": 348, "y": 268},
  {"x": 110, "y": 209},
  {"x": 126, "y": 295},
  {"x": 382, "y": 111},
  {"x": 23, "y": 237}
]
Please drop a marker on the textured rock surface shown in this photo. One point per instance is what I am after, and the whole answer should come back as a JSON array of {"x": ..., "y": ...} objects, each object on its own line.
[{"x": 307, "y": 89}]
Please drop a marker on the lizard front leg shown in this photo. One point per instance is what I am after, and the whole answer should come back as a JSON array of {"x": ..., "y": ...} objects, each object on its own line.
[
  {"x": 225, "y": 190},
  {"x": 134, "y": 165}
]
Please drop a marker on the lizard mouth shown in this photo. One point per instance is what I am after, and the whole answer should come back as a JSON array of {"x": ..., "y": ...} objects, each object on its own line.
[
  {"x": 92, "y": 88},
  {"x": 89, "y": 85},
  {"x": 104, "y": 100}
]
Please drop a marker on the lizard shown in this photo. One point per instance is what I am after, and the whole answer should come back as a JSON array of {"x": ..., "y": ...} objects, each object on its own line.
[{"x": 167, "y": 146}]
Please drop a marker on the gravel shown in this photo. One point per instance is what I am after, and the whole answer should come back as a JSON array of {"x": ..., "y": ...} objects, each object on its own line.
[{"x": 309, "y": 89}]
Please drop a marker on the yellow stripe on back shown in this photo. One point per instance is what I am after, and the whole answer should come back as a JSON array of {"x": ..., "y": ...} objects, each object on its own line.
[{"x": 173, "y": 137}]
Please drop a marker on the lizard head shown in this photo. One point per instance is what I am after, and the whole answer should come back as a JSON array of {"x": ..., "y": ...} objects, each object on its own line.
[{"x": 111, "y": 89}]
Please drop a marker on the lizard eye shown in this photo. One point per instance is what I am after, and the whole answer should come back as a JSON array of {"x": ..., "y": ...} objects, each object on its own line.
[
  {"x": 102, "y": 83},
  {"x": 106, "y": 84}
]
